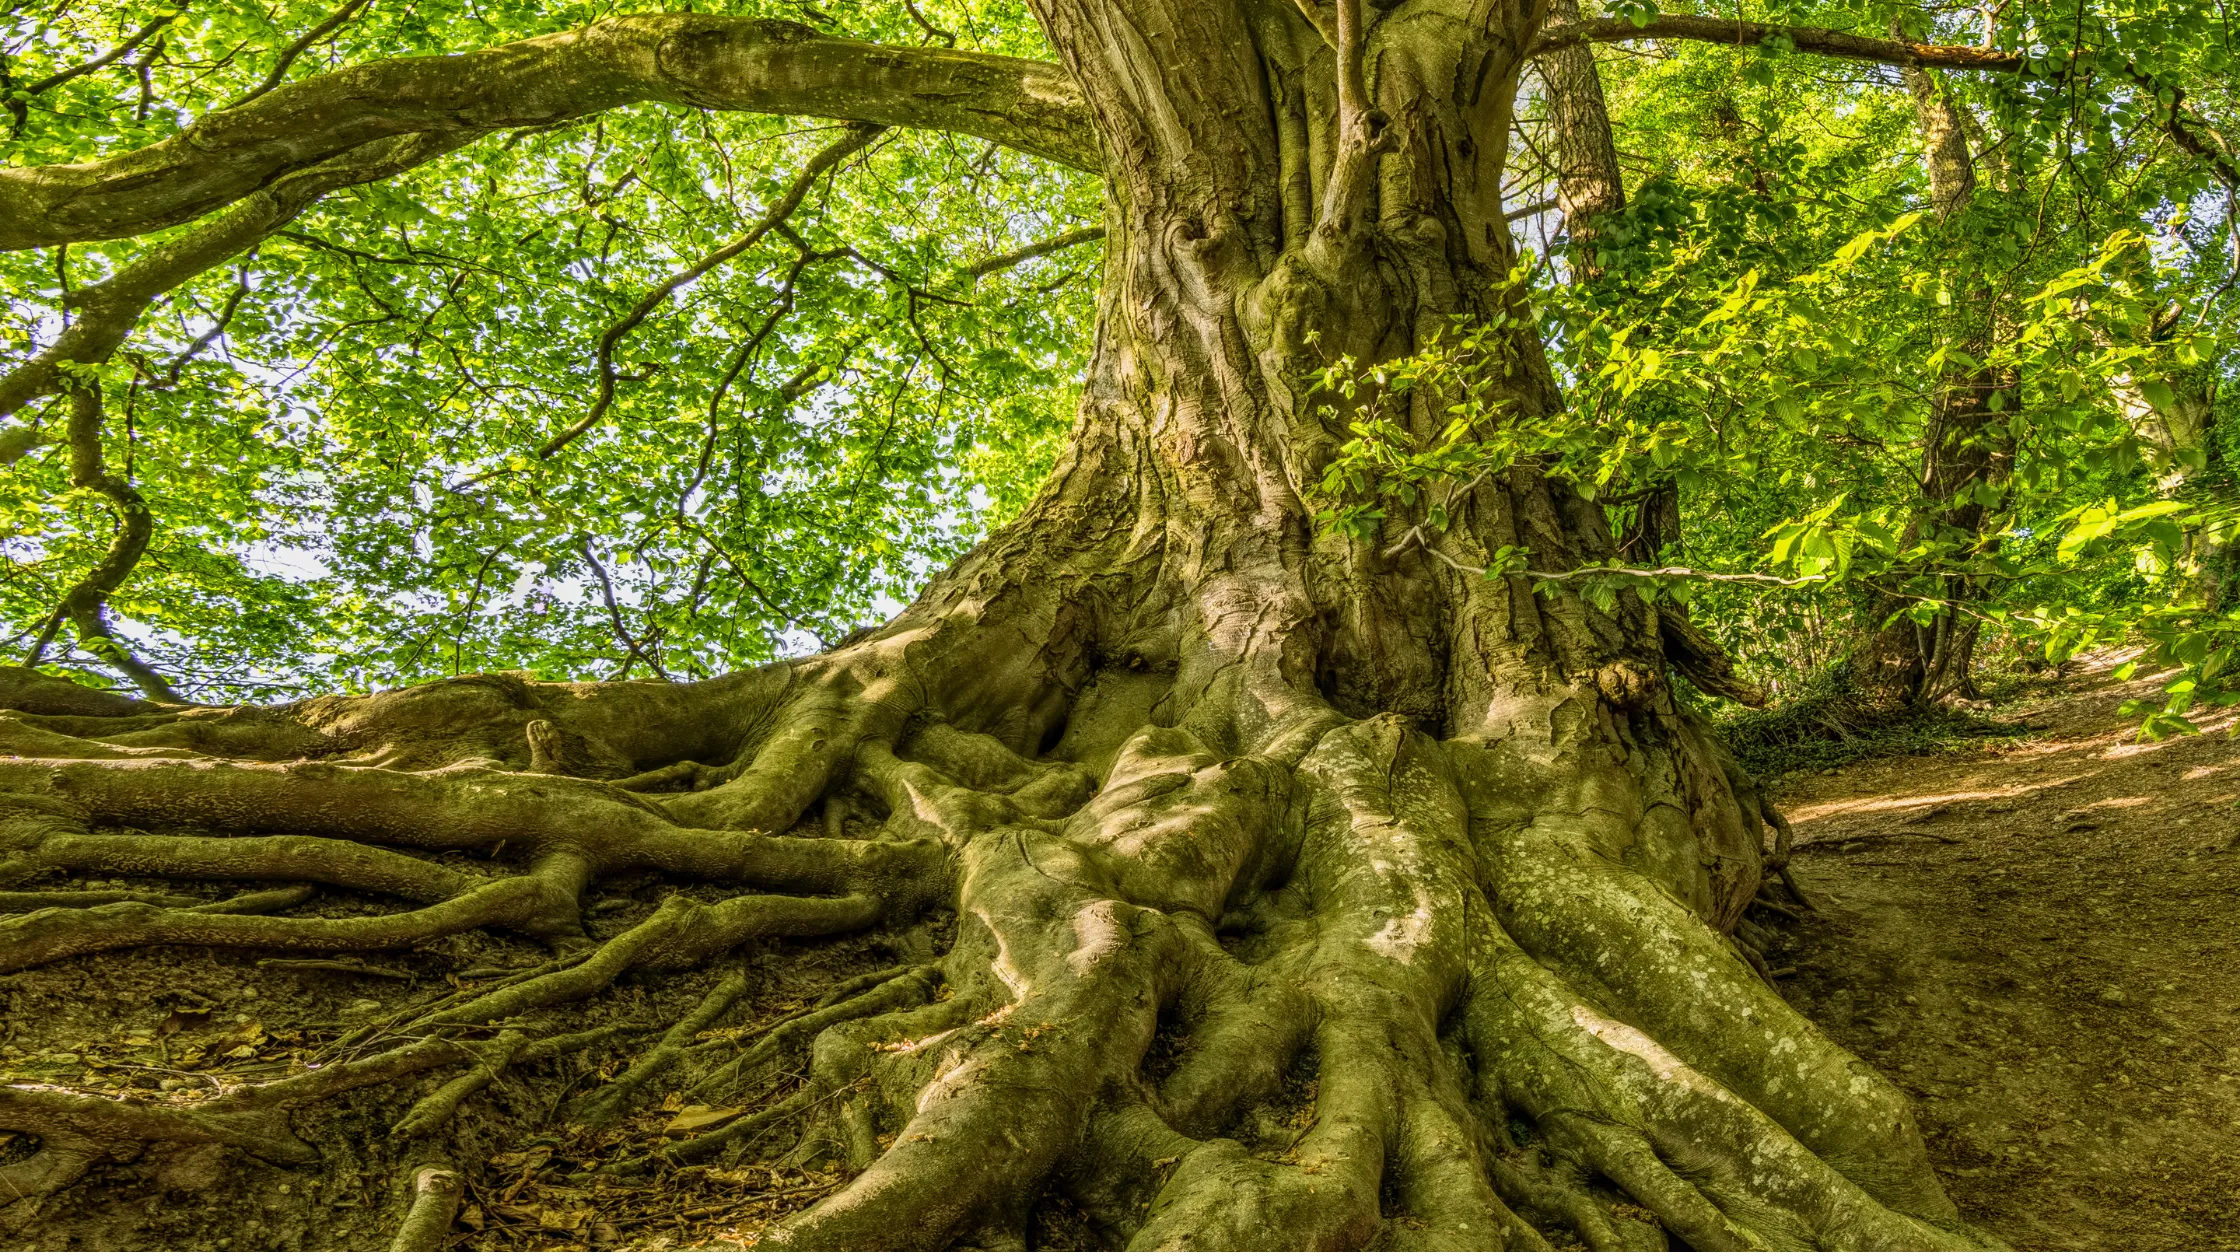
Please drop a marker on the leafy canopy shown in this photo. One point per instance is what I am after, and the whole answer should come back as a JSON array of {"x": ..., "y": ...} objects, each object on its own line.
[{"x": 337, "y": 434}]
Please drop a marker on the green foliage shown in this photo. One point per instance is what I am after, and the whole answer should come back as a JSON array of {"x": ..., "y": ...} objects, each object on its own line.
[
  {"x": 337, "y": 436},
  {"x": 1779, "y": 326}
]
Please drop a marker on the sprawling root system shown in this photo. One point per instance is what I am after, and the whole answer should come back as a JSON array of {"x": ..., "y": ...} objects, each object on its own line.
[{"x": 1320, "y": 982}]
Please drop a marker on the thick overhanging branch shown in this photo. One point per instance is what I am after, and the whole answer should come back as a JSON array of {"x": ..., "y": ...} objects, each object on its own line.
[
  {"x": 108, "y": 311},
  {"x": 2186, "y": 130},
  {"x": 1807, "y": 39},
  {"x": 684, "y": 59}
]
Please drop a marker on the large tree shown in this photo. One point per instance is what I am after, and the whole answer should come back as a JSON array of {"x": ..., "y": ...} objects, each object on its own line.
[{"x": 1220, "y": 800}]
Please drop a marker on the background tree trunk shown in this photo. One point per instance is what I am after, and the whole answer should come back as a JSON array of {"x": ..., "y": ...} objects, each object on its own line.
[
  {"x": 1965, "y": 457},
  {"x": 1590, "y": 185}
]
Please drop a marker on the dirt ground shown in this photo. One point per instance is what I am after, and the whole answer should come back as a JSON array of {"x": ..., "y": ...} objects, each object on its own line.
[
  {"x": 185, "y": 1024},
  {"x": 2040, "y": 942}
]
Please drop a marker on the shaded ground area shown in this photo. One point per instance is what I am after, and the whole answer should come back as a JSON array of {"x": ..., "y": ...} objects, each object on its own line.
[
  {"x": 2041, "y": 943},
  {"x": 184, "y": 1024}
]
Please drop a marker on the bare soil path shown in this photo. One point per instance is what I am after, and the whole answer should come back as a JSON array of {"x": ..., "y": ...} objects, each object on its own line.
[{"x": 2041, "y": 943}]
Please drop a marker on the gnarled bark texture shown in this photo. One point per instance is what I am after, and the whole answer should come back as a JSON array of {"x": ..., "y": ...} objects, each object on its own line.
[{"x": 1225, "y": 808}]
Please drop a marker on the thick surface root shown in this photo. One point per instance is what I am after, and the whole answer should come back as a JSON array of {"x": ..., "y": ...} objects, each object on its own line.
[{"x": 1335, "y": 984}]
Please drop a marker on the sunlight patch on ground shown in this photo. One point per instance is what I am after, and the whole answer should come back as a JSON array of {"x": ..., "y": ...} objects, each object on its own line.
[{"x": 1874, "y": 804}]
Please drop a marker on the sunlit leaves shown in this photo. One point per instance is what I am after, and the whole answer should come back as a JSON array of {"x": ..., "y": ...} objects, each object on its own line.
[{"x": 346, "y": 479}]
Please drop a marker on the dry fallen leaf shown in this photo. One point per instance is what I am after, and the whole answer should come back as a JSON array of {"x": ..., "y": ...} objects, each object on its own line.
[
  {"x": 568, "y": 1219},
  {"x": 693, "y": 1119}
]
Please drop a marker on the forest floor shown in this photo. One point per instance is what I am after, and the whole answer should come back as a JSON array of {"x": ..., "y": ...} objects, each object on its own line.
[
  {"x": 2038, "y": 938},
  {"x": 2040, "y": 942}
]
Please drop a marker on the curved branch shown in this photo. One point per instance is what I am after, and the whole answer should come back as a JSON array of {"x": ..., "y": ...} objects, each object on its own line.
[
  {"x": 86, "y": 604},
  {"x": 826, "y": 158},
  {"x": 16, "y": 101},
  {"x": 108, "y": 311},
  {"x": 1808, "y": 39},
  {"x": 288, "y": 55},
  {"x": 681, "y": 59}
]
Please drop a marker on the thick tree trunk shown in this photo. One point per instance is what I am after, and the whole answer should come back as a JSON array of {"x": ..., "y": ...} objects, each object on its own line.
[{"x": 1189, "y": 773}]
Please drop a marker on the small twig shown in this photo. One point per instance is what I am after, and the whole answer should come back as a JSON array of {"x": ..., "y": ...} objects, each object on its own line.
[
  {"x": 288, "y": 55},
  {"x": 329, "y": 964}
]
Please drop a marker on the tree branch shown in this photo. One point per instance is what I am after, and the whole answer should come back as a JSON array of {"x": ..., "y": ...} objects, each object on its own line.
[
  {"x": 1807, "y": 39},
  {"x": 2189, "y": 133},
  {"x": 1028, "y": 253},
  {"x": 2186, "y": 130},
  {"x": 108, "y": 311},
  {"x": 948, "y": 38},
  {"x": 103, "y": 61},
  {"x": 288, "y": 55},
  {"x": 825, "y": 159},
  {"x": 682, "y": 59},
  {"x": 86, "y": 605},
  {"x": 614, "y": 616}
]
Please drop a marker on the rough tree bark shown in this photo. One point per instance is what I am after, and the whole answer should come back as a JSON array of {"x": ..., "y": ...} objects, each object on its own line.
[{"x": 1188, "y": 773}]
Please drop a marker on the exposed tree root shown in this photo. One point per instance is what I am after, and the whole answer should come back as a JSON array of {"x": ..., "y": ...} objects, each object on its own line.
[
  {"x": 435, "y": 1201},
  {"x": 609, "y": 1103},
  {"x": 1345, "y": 985}
]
